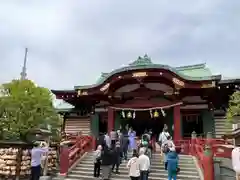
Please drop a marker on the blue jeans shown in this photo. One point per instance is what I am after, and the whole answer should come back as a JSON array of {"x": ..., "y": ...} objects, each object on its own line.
[
  {"x": 144, "y": 175},
  {"x": 172, "y": 177}
]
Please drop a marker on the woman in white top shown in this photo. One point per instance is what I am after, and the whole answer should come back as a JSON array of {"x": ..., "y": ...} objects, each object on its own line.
[
  {"x": 163, "y": 137},
  {"x": 236, "y": 161},
  {"x": 133, "y": 166}
]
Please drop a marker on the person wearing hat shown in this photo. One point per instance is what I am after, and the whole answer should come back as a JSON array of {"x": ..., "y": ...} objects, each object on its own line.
[
  {"x": 172, "y": 163},
  {"x": 39, "y": 149}
]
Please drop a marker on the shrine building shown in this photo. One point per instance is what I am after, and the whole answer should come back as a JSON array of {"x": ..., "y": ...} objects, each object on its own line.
[{"x": 144, "y": 96}]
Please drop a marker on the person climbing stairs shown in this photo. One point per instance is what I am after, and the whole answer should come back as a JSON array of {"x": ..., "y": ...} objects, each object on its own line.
[{"x": 84, "y": 170}]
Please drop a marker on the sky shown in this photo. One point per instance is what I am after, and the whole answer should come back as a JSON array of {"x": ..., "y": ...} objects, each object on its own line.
[{"x": 71, "y": 42}]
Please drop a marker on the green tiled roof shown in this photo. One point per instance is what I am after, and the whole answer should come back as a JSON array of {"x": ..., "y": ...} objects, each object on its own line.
[
  {"x": 61, "y": 105},
  {"x": 197, "y": 72}
]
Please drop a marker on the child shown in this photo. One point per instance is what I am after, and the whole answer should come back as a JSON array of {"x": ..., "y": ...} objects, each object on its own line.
[
  {"x": 97, "y": 161},
  {"x": 172, "y": 164}
]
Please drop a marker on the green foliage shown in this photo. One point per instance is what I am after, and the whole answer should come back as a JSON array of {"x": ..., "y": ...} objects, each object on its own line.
[
  {"x": 24, "y": 106},
  {"x": 234, "y": 107}
]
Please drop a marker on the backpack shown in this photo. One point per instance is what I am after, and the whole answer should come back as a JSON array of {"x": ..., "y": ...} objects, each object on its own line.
[
  {"x": 165, "y": 148},
  {"x": 145, "y": 143}
]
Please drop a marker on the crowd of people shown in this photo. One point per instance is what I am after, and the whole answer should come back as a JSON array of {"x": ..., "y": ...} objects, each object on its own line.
[{"x": 113, "y": 148}]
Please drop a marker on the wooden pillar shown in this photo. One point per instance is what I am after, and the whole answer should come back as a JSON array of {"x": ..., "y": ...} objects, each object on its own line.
[
  {"x": 64, "y": 160},
  {"x": 177, "y": 123},
  {"x": 110, "y": 119}
]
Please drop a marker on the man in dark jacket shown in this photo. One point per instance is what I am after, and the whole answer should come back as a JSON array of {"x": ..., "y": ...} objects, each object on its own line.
[
  {"x": 107, "y": 161},
  {"x": 101, "y": 140},
  {"x": 116, "y": 157},
  {"x": 125, "y": 143}
]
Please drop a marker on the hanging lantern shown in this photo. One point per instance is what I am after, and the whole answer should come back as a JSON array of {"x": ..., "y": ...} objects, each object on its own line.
[
  {"x": 134, "y": 115},
  {"x": 163, "y": 113},
  {"x": 156, "y": 114},
  {"x": 123, "y": 114},
  {"x": 129, "y": 115},
  {"x": 151, "y": 114}
]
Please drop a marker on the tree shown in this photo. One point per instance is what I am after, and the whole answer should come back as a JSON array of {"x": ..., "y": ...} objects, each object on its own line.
[
  {"x": 25, "y": 106},
  {"x": 234, "y": 107}
]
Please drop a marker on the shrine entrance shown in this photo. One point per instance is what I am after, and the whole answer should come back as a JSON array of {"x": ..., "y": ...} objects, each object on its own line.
[
  {"x": 144, "y": 122},
  {"x": 192, "y": 122}
]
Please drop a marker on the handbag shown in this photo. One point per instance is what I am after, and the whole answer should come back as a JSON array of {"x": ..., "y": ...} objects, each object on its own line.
[
  {"x": 178, "y": 170},
  {"x": 165, "y": 148}
]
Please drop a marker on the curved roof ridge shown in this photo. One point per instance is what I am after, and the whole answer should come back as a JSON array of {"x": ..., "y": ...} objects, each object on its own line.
[
  {"x": 146, "y": 63},
  {"x": 193, "y": 66}
]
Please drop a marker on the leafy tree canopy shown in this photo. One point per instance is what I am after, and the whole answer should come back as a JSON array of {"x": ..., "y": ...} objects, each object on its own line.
[
  {"x": 25, "y": 106},
  {"x": 234, "y": 107}
]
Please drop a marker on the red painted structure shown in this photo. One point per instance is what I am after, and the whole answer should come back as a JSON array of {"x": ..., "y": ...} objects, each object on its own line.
[
  {"x": 69, "y": 155},
  {"x": 194, "y": 146},
  {"x": 111, "y": 119},
  {"x": 207, "y": 88},
  {"x": 179, "y": 87},
  {"x": 197, "y": 147}
]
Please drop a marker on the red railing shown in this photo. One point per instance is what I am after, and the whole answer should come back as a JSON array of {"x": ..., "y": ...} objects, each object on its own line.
[
  {"x": 69, "y": 155},
  {"x": 196, "y": 147},
  {"x": 184, "y": 145}
]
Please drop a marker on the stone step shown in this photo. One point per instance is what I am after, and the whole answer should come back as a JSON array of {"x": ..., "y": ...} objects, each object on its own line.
[
  {"x": 154, "y": 156},
  {"x": 118, "y": 178},
  {"x": 125, "y": 170},
  {"x": 220, "y": 123},
  {"x": 153, "y": 166},
  {"x": 153, "y": 159},
  {"x": 125, "y": 176},
  {"x": 153, "y": 163},
  {"x": 84, "y": 170},
  {"x": 218, "y": 127}
]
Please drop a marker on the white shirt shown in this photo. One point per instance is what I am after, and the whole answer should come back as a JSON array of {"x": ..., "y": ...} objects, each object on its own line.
[
  {"x": 163, "y": 137},
  {"x": 107, "y": 140},
  {"x": 169, "y": 144},
  {"x": 36, "y": 154},
  {"x": 236, "y": 159},
  {"x": 144, "y": 162},
  {"x": 133, "y": 166}
]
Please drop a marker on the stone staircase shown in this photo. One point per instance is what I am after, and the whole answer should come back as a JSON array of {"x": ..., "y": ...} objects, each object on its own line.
[
  {"x": 84, "y": 170},
  {"x": 220, "y": 126}
]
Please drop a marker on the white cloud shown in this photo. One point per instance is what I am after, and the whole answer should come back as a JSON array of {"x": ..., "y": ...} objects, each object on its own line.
[{"x": 71, "y": 42}]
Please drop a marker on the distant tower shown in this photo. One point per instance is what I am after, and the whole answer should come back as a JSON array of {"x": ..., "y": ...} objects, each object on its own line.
[{"x": 24, "y": 68}]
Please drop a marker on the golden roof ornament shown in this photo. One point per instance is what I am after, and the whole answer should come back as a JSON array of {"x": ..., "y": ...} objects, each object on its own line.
[
  {"x": 129, "y": 115},
  {"x": 156, "y": 114}
]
